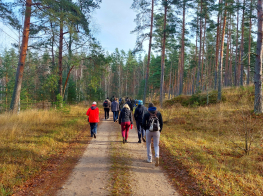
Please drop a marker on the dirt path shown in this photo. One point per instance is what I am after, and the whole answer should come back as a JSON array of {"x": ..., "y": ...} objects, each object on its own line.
[{"x": 90, "y": 176}]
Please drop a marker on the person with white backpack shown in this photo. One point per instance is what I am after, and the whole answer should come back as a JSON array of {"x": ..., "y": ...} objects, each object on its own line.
[{"x": 153, "y": 123}]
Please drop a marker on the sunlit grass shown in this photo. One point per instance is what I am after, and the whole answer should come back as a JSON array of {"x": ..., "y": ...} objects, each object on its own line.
[
  {"x": 209, "y": 141},
  {"x": 29, "y": 139}
]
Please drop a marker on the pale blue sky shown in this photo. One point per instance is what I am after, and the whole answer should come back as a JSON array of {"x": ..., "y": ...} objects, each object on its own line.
[{"x": 115, "y": 21}]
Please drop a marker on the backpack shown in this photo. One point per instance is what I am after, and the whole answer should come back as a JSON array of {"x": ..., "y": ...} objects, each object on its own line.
[
  {"x": 105, "y": 104},
  {"x": 154, "y": 124}
]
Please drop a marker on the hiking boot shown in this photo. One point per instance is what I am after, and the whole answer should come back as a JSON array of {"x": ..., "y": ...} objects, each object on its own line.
[
  {"x": 149, "y": 160},
  {"x": 139, "y": 141},
  {"x": 123, "y": 140},
  {"x": 157, "y": 162},
  {"x": 126, "y": 141},
  {"x": 143, "y": 139},
  {"x": 94, "y": 135}
]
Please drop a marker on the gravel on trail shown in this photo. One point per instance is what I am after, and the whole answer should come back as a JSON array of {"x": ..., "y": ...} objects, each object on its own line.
[{"x": 91, "y": 174}]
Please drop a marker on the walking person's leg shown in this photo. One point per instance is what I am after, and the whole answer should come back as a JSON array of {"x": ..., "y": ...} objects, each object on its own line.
[
  {"x": 108, "y": 113},
  {"x": 123, "y": 129},
  {"x": 156, "y": 140},
  {"x": 143, "y": 135},
  {"x": 113, "y": 113},
  {"x": 105, "y": 111},
  {"x": 139, "y": 129},
  {"x": 127, "y": 127},
  {"x": 148, "y": 145},
  {"x": 91, "y": 129},
  {"x": 95, "y": 130}
]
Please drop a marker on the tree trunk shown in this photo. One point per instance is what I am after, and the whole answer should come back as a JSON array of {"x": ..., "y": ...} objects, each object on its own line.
[
  {"x": 227, "y": 53},
  {"x": 258, "y": 109},
  {"x": 235, "y": 71},
  {"x": 60, "y": 57},
  {"x": 242, "y": 46},
  {"x": 149, "y": 55},
  {"x": 200, "y": 52},
  {"x": 22, "y": 59},
  {"x": 170, "y": 82},
  {"x": 217, "y": 45},
  {"x": 202, "y": 67},
  {"x": 182, "y": 52},
  {"x": 163, "y": 55},
  {"x": 219, "y": 98}
]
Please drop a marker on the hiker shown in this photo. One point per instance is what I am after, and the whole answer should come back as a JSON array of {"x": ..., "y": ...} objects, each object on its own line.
[
  {"x": 115, "y": 109},
  {"x": 125, "y": 120},
  {"x": 138, "y": 116},
  {"x": 112, "y": 99},
  {"x": 122, "y": 103},
  {"x": 153, "y": 123},
  {"x": 129, "y": 104},
  {"x": 93, "y": 119},
  {"x": 107, "y": 105}
]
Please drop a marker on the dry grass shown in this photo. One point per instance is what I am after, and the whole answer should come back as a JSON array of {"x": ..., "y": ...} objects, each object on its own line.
[
  {"x": 210, "y": 142},
  {"x": 29, "y": 140}
]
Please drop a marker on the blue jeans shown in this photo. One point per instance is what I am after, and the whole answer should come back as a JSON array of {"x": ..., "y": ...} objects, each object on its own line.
[
  {"x": 141, "y": 131},
  {"x": 115, "y": 115},
  {"x": 93, "y": 128}
]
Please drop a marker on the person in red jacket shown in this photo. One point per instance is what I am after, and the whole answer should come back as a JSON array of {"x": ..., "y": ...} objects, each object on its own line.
[{"x": 93, "y": 114}]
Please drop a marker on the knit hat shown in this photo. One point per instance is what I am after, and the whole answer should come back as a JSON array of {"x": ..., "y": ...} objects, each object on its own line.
[
  {"x": 150, "y": 105},
  {"x": 94, "y": 103},
  {"x": 140, "y": 102}
]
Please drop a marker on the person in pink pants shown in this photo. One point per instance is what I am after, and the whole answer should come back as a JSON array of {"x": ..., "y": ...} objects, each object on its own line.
[{"x": 125, "y": 120}]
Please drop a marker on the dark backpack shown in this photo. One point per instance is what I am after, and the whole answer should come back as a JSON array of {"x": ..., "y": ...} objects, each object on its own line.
[
  {"x": 154, "y": 124},
  {"x": 105, "y": 104}
]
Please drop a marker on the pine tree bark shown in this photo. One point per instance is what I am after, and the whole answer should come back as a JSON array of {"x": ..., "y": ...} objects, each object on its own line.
[
  {"x": 242, "y": 46},
  {"x": 236, "y": 62},
  {"x": 149, "y": 55},
  {"x": 60, "y": 57},
  {"x": 219, "y": 97},
  {"x": 227, "y": 53},
  {"x": 163, "y": 55},
  {"x": 217, "y": 45},
  {"x": 182, "y": 52},
  {"x": 258, "y": 107},
  {"x": 22, "y": 59}
]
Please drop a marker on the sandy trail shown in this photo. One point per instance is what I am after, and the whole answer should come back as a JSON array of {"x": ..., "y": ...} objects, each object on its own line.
[{"x": 90, "y": 176}]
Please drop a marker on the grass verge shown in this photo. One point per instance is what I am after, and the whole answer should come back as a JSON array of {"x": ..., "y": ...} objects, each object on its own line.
[
  {"x": 120, "y": 169},
  {"x": 215, "y": 150},
  {"x": 34, "y": 144}
]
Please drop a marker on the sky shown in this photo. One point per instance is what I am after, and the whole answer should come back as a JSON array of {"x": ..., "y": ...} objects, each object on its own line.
[{"x": 115, "y": 21}]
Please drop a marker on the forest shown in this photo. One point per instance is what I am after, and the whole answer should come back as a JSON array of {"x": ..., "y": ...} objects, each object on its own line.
[
  {"x": 194, "y": 46},
  {"x": 198, "y": 61}
]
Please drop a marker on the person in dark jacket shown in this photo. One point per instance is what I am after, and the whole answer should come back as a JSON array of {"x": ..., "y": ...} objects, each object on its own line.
[
  {"x": 138, "y": 116},
  {"x": 125, "y": 120},
  {"x": 152, "y": 111},
  {"x": 115, "y": 109},
  {"x": 130, "y": 104},
  {"x": 93, "y": 114},
  {"x": 107, "y": 105}
]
